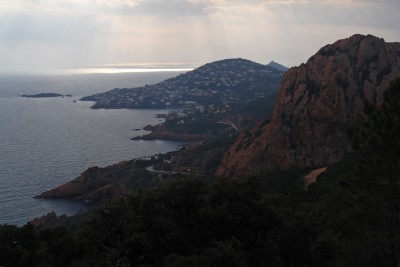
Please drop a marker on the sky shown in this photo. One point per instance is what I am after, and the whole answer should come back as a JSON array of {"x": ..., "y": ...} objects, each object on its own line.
[{"x": 44, "y": 34}]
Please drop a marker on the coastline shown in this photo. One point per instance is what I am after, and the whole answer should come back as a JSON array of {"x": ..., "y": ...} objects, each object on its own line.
[
  {"x": 31, "y": 157},
  {"x": 160, "y": 132}
]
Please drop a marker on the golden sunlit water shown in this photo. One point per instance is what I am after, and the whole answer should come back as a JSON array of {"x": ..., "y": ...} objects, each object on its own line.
[{"x": 126, "y": 70}]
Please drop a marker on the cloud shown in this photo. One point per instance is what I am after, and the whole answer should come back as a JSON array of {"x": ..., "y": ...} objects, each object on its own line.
[
  {"x": 51, "y": 28},
  {"x": 159, "y": 8},
  {"x": 117, "y": 31},
  {"x": 172, "y": 8},
  {"x": 340, "y": 13}
]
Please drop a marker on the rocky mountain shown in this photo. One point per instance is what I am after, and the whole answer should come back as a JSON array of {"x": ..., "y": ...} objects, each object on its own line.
[
  {"x": 229, "y": 81},
  {"x": 316, "y": 103}
]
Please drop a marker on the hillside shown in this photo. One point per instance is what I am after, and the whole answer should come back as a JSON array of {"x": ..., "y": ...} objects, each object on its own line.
[
  {"x": 195, "y": 125},
  {"x": 316, "y": 103},
  {"x": 229, "y": 81},
  {"x": 99, "y": 184}
]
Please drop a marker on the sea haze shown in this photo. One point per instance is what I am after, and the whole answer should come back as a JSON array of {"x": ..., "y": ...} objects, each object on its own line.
[{"x": 49, "y": 141}]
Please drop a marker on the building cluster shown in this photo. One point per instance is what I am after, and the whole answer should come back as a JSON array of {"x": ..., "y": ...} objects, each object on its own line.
[{"x": 214, "y": 84}]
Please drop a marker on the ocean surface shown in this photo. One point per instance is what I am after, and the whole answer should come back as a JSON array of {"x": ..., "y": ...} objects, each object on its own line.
[{"x": 49, "y": 141}]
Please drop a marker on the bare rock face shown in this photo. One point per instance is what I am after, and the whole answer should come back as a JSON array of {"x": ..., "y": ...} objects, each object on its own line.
[{"x": 317, "y": 101}]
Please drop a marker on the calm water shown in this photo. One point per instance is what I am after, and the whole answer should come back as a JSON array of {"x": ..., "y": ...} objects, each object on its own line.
[{"x": 47, "y": 142}]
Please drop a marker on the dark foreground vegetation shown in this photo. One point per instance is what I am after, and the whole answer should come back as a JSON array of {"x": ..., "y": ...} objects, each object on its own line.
[{"x": 349, "y": 217}]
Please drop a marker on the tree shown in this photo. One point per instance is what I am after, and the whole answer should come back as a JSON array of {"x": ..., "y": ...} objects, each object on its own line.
[
  {"x": 379, "y": 173},
  {"x": 187, "y": 222}
]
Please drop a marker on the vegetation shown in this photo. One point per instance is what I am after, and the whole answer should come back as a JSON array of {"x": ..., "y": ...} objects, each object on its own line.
[
  {"x": 207, "y": 156},
  {"x": 210, "y": 123}
]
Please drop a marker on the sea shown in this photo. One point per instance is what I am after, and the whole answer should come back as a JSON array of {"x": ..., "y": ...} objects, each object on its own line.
[{"x": 45, "y": 142}]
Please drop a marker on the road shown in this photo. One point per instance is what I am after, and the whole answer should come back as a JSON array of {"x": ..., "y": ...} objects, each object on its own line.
[{"x": 151, "y": 169}]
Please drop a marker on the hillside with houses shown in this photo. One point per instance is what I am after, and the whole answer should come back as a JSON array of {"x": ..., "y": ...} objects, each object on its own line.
[{"x": 211, "y": 86}]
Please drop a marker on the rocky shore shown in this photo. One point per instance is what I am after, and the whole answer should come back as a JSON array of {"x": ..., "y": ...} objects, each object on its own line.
[{"x": 97, "y": 184}]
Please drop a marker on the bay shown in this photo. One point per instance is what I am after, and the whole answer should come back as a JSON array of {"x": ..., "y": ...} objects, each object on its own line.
[{"x": 46, "y": 142}]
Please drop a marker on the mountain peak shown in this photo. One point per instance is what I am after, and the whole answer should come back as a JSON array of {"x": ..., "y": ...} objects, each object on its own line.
[
  {"x": 316, "y": 103},
  {"x": 277, "y": 66}
]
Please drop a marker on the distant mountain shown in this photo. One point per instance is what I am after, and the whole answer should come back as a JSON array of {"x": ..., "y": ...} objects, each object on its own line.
[
  {"x": 229, "y": 81},
  {"x": 316, "y": 103},
  {"x": 277, "y": 66}
]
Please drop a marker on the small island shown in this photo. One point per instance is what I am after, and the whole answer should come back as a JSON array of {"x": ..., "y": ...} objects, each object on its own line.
[{"x": 43, "y": 95}]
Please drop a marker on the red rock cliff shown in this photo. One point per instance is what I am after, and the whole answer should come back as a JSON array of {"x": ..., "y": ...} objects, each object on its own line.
[{"x": 317, "y": 101}]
